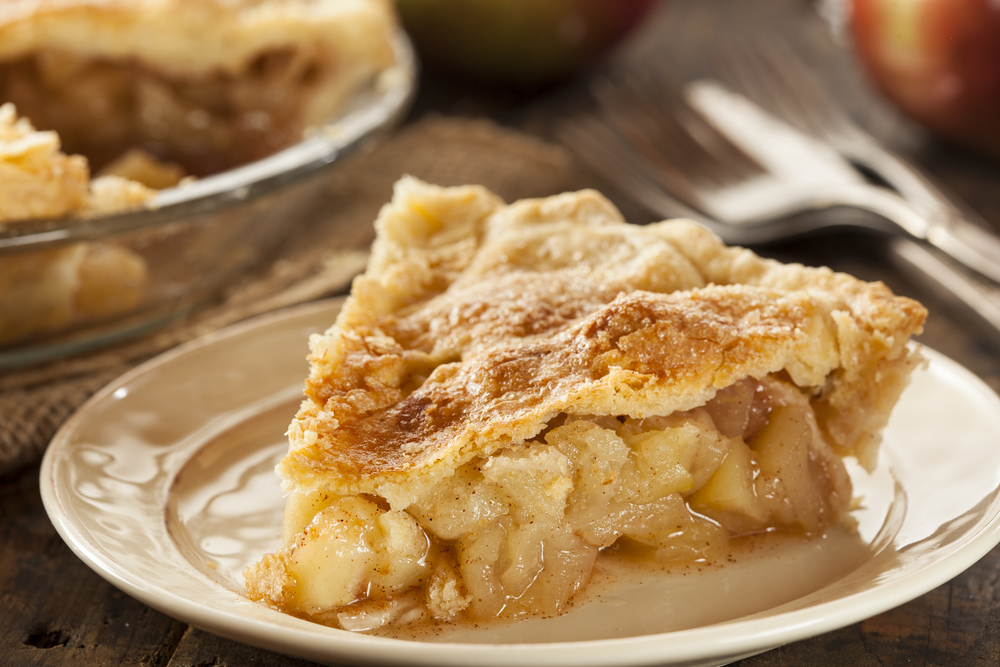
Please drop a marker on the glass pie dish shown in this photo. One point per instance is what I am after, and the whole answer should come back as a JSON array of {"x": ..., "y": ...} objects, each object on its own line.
[{"x": 145, "y": 268}]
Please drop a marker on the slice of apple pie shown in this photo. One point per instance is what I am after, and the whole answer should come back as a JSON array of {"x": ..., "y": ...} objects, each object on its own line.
[{"x": 509, "y": 390}]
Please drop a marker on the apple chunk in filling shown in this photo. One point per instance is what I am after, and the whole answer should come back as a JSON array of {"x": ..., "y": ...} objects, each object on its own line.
[{"x": 517, "y": 533}]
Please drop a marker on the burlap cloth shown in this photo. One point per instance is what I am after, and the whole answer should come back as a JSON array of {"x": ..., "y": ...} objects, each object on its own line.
[{"x": 327, "y": 248}]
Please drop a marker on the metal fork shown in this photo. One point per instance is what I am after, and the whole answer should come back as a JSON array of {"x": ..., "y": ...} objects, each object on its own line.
[
  {"x": 771, "y": 74},
  {"x": 654, "y": 147},
  {"x": 659, "y": 143}
]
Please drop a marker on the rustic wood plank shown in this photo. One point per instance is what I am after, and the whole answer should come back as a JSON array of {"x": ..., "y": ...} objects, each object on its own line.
[
  {"x": 202, "y": 649},
  {"x": 842, "y": 647},
  {"x": 54, "y": 610},
  {"x": 956, "y": 624}
]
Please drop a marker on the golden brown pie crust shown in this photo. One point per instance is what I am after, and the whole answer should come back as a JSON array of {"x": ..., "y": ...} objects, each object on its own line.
[
  {"x": 48, "y": 290},
  {"x": 515, "y": 314},
  {"x": 39, "y": 181}
]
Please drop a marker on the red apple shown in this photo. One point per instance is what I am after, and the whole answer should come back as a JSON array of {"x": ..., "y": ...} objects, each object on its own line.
[
  {"x": 527, "y": 42},
  {"x": 939, "y": 61}
]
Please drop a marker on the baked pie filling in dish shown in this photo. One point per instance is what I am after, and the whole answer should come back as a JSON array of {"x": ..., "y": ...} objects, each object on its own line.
[
  {"x": 511, "y": 390},
  {"x": 206, "y": 84}
]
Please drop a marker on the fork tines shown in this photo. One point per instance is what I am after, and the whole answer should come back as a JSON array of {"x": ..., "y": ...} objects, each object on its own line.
[{"x": 645, "y": 125}]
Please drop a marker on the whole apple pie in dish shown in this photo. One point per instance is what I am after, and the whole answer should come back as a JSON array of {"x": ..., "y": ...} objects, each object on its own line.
[
  {"x": 131, "y": 97},
  {"x": 511, "y": 389}
]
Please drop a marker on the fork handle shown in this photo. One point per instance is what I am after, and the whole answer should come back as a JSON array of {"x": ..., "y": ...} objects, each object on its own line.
[
  {"x": 908, "y": 180},
  {"x": 970, "y": 245},
  {"x": 953, "y": 227}
]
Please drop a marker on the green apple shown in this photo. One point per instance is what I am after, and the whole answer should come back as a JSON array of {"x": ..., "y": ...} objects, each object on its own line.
[{"x": 526, "y": 42}]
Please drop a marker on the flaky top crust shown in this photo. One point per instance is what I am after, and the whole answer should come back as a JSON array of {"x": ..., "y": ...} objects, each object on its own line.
[
  {"x": 192, "y": 36},
  {"x": 478, "y": 323},
  {"x": 39, "y": 181}
]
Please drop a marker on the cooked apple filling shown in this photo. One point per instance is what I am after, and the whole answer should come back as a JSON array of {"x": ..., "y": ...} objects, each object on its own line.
[
  {"x": 103, "y": 109},
  {"x": 208, "y": 85},
  {"x": 518, "y": 532},
  {"x": 510, "y": 390}
]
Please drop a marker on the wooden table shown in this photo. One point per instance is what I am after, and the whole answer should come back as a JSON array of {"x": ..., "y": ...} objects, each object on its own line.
[{"x": 55, "y": 611}]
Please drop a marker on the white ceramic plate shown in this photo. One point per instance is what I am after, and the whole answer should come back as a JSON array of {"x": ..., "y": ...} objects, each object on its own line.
[{"x": 163, "y": 484}]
